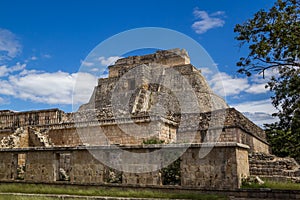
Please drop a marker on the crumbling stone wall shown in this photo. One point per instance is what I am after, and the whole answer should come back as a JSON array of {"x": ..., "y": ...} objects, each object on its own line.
[
  {"x": 274, "y": 168},
  {"x": 38, "y": 137},
  {"x": 5, "y": 133},
  {"x": 18, "y": 139},
  {"x": 222, "y": 168}
]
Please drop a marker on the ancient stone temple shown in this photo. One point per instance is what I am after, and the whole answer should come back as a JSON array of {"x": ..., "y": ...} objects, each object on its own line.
[{"x": 145, "y": 104}]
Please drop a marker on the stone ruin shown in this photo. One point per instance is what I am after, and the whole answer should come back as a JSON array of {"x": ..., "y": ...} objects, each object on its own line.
[{"x": 157, "y": 98}]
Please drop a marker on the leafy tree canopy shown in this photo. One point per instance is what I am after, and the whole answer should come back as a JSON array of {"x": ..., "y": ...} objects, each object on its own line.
[
  {"x": 273, "y": 40},
  {"x": 273, "y": 37}
]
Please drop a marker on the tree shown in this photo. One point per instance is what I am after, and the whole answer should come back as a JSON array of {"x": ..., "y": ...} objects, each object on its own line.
[
  {"x": 273, "y": 40},
  {"x": 283, "y": 143}
]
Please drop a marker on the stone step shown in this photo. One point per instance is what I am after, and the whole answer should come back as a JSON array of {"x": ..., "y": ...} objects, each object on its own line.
[{"x": 269, "y": 165}]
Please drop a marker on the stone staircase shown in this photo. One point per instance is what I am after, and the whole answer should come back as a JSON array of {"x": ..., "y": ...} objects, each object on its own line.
[
  {"x": 274, "y": 168},
  {"x": 41, "y": 138}
]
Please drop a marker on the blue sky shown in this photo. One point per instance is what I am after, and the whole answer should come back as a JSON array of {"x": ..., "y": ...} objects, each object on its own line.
[{"x": 44, "y": 43}]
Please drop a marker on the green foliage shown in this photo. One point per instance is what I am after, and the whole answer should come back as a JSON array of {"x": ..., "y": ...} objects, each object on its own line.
[
  {"x": 171, "y": 175},
  {"x": 273, "y": 40},
  {"x": 153, "y": 141},
  {"x": 112, "y": 176},
  {"x": 20, "y": 172},
  {"x": 272, "y": 36},
  {"x": 283, "y": 143}
]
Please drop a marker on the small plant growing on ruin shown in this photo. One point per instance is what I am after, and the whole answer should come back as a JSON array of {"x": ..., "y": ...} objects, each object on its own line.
[
  {"x": 153, "y": 141},
  {"x": 171, "y": 175},
  {"x": 113, "y": 176}
]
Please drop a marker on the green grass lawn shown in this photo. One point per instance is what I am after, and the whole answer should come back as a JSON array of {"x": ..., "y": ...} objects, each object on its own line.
[
  {"x": 274, "y": 185},
  {"x": 11, "y": 197},
  {"x": 114, "y": 192}
]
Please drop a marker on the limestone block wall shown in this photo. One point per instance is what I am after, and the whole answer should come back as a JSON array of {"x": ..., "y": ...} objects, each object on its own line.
[
  {"x": 225, "y": 134},
  {"x": 171, "y": 57},
  {"x": 64, "y": 137},
  {"x": 151, "y": 178},
  {"x": 40, "y": 166},
  {"x": 221, "y": 168},
  {"x": 13, "y": 120},
  {"x": 111, "y": 133},
  {"x": 86, "y": 169},
  {"x": 8, "y": 166},
  {"x": 259, "y": 146},
  {"x": 242, "y": 160}
]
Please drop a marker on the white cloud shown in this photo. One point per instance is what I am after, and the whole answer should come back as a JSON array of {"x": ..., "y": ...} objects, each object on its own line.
[
  {"x": 223, "y": 84},
  {"x": 9, "y": 45},
  {"x": 2, "y": 101},
  {"x": 108, "y": 61},
  {"x": 83, "y": 88},
  {"x": 206, "y": 21},
  {"x": 87, "y": 64},
  {"x": 257, "y": 89},
  {"x": 260, "y": 112},
  {"x": 94, "y": 70},
  {"x": 5, "y": 70},
  {"x": 6, "y": 88},
  {"x": 50, "y": 88},
  {"x": 33, "y": 58},
  {"x": 46, "y": 56},
  {"x": 259, "y": 82},
  {"x": 256, "y": 106},
  {"x": 206, "y": 71},
  {"x": 260, "y": 118},
  {"x": 226, "y": 85}
]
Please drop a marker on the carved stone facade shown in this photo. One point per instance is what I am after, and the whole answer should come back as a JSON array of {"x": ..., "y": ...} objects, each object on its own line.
[{"x": 159, "y": 97}]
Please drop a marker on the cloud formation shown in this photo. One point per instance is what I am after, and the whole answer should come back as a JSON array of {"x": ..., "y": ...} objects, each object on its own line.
[
  {"x": 223, "y": 84},
  {"x": 256, "y": 106},
  {"x": 49, "y": 88},
  {"x": 108, "y": 61},
  {"x": 2, "y": 101},
  {"x": 9, "y": 45},
  {"x": 5, "y": 70},
  {"x": 205, "y": 21},
  {"x": 260, "y": 112},
  {"x": 86, "y": 63}
]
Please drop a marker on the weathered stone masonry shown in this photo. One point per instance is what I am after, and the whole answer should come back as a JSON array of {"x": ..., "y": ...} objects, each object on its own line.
[
  {"x": 51, "y": 145},
  {"x": 222, "y": 168}
]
